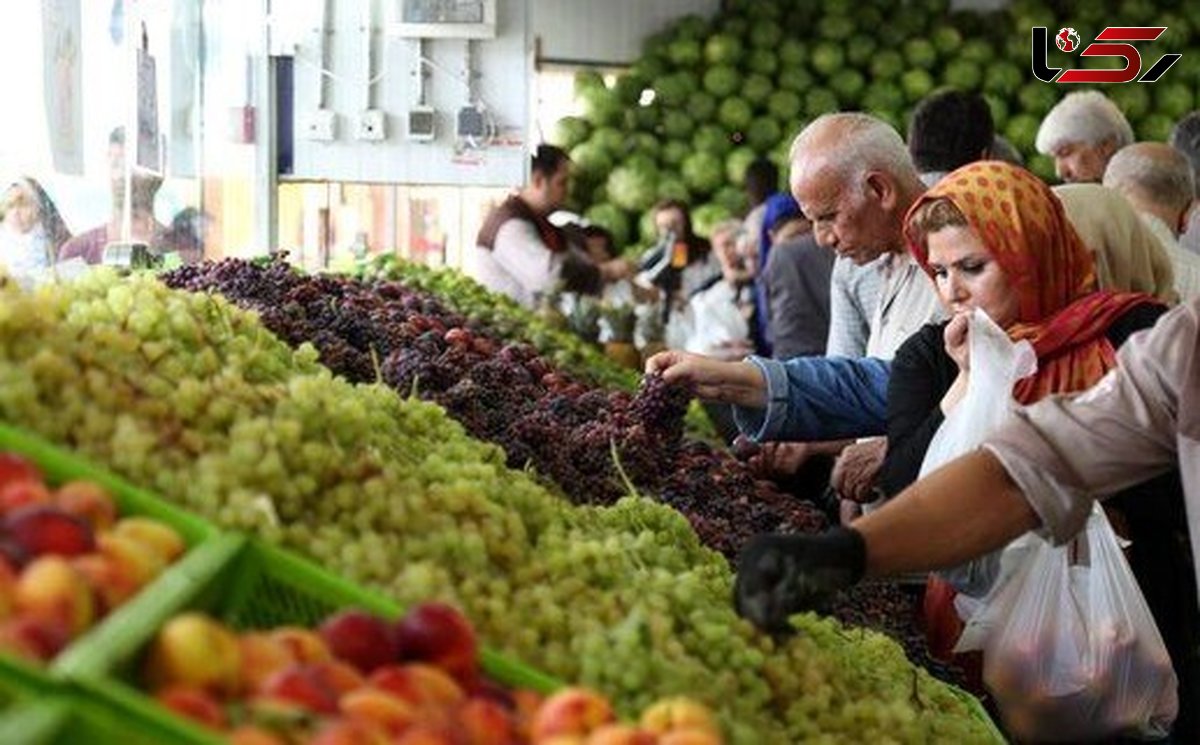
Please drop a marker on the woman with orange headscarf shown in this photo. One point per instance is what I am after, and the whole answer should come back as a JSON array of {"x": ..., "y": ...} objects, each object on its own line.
[{"x": 993, "y": 236}]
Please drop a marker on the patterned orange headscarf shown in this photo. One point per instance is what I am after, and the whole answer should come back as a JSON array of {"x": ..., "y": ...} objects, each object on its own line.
[{"x": 1061, "y": 313}]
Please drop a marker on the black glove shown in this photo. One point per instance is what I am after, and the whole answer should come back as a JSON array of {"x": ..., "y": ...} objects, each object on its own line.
[{"x": 779, "y": 575}]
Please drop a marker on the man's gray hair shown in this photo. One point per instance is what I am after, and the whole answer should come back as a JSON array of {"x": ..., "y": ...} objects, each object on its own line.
[
  {"x": 851, "y": 143},
  {"x": 1085, "y": 117},
  {"x": 1185, "y": 137},
  {"x": 1156, "y": 171}
]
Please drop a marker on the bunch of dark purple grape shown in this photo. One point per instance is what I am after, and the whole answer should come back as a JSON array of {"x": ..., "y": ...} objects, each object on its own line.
[{"x": 593, "y": 444}]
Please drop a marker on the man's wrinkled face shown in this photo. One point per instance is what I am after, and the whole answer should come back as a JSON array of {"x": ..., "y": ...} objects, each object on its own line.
[
  {"x": 846, "y": 213},
  {"x": 1081, "y": 163}
]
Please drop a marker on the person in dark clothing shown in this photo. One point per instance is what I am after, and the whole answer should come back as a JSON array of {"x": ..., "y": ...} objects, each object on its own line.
[
  {"x": 948, "y": 130},
  {"x": 974, "y": 239},
  {"x": 795, "y": 282}
]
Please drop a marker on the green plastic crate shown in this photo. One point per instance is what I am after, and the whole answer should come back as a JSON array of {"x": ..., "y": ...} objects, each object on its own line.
[
  {"x": 59, "y": 466},
  {"x": 245, "y": 584},
  {"x": 72, "y": 720}
]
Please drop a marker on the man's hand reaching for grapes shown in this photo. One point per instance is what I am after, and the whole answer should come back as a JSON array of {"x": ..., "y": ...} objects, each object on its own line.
[{"x": 739, "y": 383}]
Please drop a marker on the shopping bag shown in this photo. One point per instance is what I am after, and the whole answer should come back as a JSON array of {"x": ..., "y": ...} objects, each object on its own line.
[
  {"x": 1074, "y": 653},
  {"x": 997, "y": 363}
]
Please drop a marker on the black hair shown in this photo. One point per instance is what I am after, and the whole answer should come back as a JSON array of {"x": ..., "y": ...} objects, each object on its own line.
[
  {"x": 675, "y": 204},
  {"x": 950, "y": 129},
  {"x": 547, "y": 160},
  {"x": 599, "y": 231},
  {"x": 762, "y": 180}
]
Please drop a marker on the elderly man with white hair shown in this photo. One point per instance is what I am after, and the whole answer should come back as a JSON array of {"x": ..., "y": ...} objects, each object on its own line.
[
  {"x": 1081, "y": 133},
  {"x": 1157, "y": 180},
  {"x": 1185, "y": 137}
]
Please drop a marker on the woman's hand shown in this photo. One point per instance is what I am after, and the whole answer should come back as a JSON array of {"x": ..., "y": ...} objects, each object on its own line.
[
  {"x": 958, "y": 342},
  {"x": 738, "y": 383}
]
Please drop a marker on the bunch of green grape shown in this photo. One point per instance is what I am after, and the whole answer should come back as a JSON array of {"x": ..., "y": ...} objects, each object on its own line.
[{"x": 191, "y": 397}]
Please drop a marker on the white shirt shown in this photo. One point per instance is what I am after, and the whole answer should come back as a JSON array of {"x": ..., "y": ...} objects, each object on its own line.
[
  {"x": 1185, "y": 263},
  {"x": 24, "y": 253},
  {"x": 907, "y": 302},
  {"x": 519, "y": 264}
]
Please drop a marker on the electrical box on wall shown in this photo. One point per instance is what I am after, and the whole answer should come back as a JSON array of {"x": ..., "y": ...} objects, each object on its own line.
[
  {"x": 372, "y": 125},
  {"x": 422, "y": 124},
  {"x": 443, "y": 19}
]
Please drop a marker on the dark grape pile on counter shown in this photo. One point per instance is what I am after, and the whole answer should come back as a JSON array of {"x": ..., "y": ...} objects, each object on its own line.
[
  {"x": 372, "y": 330},
  {"x": 592, "y": 443}
]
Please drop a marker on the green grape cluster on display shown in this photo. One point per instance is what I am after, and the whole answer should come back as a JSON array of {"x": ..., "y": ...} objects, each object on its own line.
[{"x": 191, "y": 397}]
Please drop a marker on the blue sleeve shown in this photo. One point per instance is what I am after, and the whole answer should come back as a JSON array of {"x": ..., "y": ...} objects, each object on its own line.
[{"x": 818, "y": 398}]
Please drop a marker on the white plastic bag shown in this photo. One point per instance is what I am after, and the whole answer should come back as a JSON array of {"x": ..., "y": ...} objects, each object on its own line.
[
  {"x": 710, "y": 320},
  {"x": 1074, "y": 653},
  {"x": 997, "y": 363}
]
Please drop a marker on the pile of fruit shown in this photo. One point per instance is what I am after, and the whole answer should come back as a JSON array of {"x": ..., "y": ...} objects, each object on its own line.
[
  {"x": 67, "y": 559},
  {"x": 360, "y": 679},
  {"x": 505, "y": 319},
  {"x": 709, "y": 95},
  {"x": 592, "y": 443},
  {"x": 193, "y": 398}
]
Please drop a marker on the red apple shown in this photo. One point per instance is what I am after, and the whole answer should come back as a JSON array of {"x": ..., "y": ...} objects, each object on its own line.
[
  {"x": 12, "y": 555},
  {"x": 360, "y": 638},
  {"x": 87, "y": 501},
  {"x": 15, "y": 467},
  {"x": 38, "y": 639},
  {"x": 438, "y": 634},
  {"x": 194, "y": 703},
  {"x": 45, "y": 529}
]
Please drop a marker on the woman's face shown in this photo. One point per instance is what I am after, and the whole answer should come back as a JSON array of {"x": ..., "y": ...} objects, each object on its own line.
[
  {"x": 22, "y": 215},
  {"x": 969, "y": 277},
  {"x": 670, "y": 219}
]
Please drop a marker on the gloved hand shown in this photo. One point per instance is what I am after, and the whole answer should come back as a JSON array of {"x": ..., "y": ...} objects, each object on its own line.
[{"x": 780, "y": 575}]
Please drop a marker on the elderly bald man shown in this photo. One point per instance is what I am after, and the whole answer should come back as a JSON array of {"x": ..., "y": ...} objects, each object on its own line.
[{"x": 1157, "y": 180}]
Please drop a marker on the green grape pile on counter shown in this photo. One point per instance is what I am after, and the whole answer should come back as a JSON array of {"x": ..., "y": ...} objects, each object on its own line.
[
  {"x": 187, "y": 395},
  {"x": 508, "y": 319}
]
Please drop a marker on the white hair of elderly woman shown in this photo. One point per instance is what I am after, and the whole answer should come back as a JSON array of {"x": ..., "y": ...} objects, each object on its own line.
[{"x": 1086, "y": 117}]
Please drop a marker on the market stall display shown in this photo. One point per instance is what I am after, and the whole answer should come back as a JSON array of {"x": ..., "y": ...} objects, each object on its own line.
[{"x": 190, "y": 396}]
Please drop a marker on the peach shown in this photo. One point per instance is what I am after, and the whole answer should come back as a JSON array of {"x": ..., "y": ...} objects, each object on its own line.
[
  {"x": 425, "y": 686},
  {"x": 671, "y": 714},
  {"x": 261, "y": 656},
  {"x": 424, "y": 734},
  {"x": 571, "y": 711},
  {"x": 45, "y": 529},
  {"x": 87, "y": 501},
  {"x": 34, "y": 638},
  {"x": 249, "y": 734},
  {"x": 485, "y": 722},
  {"x": 438, "y": 634},
  {"x": 192, "y": 649},
  {"x": 303, "y": 644},
  {"x": 109, "y": 581},
  {"x": 22, "y": 493},
  {"x": 690, "y": 736},
  {"x": 140, "y": 563},
  {"x": 303, "y": 684},
  {"x": 360, "y": 638},
  {"x": 386, "y": 711},
  {"x": 526, "y": 704},
  {"x": 51, "y": 588},
  {"x": 8, "y": 589},
  {"x": 621, "y": 734},
  {"x": 154, "y": 535},
  {"x": 192, "y": 703},
  {"x": 345, "y": 732}
]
